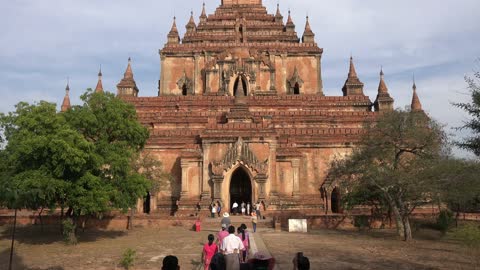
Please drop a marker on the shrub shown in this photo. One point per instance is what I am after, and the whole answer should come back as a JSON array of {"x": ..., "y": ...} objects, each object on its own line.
[
  {"x": 445, "y": 220},
  {"x": 361, "y": 222},
  {"x": 128, "y": 258},
  {"x": 68, "y": 230}
]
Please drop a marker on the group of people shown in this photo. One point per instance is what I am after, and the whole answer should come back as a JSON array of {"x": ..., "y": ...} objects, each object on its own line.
[
  {"x": 215, "y": 209},
  {"x": 231, "y": 251},
  {"x": 246, "y": 208},
  {"x": 219, "y": 261}
]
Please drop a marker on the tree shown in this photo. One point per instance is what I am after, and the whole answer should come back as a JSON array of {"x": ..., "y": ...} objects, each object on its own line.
[
  {"x": 389, "y": 165},
  {"x": 79, "y": 160},
  {"x": 473, "y": 109}
]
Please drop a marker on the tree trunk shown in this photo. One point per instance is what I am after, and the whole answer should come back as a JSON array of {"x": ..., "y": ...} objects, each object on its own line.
[
  {"x": 41, "y": 220},
  {"x": 13, "y": 240},
  {"x": 130, "y": 220},
  {"x": 398, "y": 219},
  {"x": 408, "y": 229}
]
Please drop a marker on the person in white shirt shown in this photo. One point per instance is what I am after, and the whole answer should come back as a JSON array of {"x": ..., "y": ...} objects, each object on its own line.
[
  {"x": 235, "y": 208},
  {"x": 231, "y": 247}
]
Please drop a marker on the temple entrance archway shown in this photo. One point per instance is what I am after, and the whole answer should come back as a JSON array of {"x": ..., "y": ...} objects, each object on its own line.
[
  {"x": 335, "y": 201},
  {"x": 240, "y": 187},
  {"x": 146, "y": 204}
]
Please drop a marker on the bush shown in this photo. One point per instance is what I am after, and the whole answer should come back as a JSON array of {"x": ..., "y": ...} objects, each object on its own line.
[
  {"x": 128, "y": 258},
  {"x": 68, "y": 230},
  {"x": 361, "y": 222},
  {"x": 445, "y": 221}
]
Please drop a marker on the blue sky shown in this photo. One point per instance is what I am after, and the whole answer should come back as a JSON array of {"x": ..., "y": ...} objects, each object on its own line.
[{"x": 44, "y": 42}]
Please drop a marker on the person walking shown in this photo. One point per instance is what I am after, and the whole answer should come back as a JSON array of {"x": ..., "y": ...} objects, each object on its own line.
[
  {"x": 234, "y": 208},
  {"x": 257, "y": 209},
  {"x": 248, "y": 208},
  {"x": 209, "y": 249},
  {"x": 226, "y": 220},
  {"x": 231, "y": 247},
  {"x": 254, "y": 221},
  {"x": 243, "y": 208},
  {"x": 214, "y": 210},
  {"x": 219, "y": 208}
]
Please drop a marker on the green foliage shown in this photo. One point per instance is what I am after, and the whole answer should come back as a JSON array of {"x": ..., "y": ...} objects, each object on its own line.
[
  {"x": 68, "y": 231},
  {"x": 387, "y": 171},
  {"x": 80, "y": 160},
  {"x": 473, "y": 109},
  {"x": 361, "y": 222},
  {"x": 152, "y": 169},
  {"x": 128, "y": 258},
  {"x": 445, "y": 221},
  {"x": 468, "y": 234}
]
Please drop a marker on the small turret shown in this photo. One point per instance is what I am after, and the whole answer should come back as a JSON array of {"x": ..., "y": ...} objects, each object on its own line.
[
  {"x": 308, "y": 35},
  {"x": 384, "y": 101},
  {"x": 127, "y": 86},
  {"x": 290, "y": 26},
  {"x": 173, "y": 37},
  {"x": 66, "y": 100},
  {"x": 99, "y": 87},
  {"x": 278, "y": 15},
  {"x": 203, "y": 16},
  {"x": 191, "y": 26},
  {"x": 353, "y": 86},
  {"x": 416, "y": 106}
]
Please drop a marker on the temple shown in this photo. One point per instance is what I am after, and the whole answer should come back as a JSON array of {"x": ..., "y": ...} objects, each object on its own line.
[{"x": 241, "y": 114}]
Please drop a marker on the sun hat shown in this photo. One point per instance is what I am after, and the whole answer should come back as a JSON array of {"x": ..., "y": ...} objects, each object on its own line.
[
  {"x": 259, "y": 255},
  {"x": 226, "y": 214},
  {"x": 224, "y": 226}
]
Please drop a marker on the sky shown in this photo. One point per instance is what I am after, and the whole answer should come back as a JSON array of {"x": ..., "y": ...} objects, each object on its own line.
[{"x": 42, "y": 43}]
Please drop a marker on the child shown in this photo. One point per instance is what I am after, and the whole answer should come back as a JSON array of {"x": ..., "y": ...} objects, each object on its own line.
[{"x": 209, "y": 249}]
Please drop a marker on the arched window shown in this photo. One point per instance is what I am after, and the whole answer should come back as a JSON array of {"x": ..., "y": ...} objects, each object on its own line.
[
  {"x": 296, "y": 89},
  {"x": 335, "y": 201},
  {"x": 184, "y": 90}
]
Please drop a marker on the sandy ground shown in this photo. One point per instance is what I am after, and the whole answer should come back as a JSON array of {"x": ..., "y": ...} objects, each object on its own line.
[{"x": 326, "y": 249}]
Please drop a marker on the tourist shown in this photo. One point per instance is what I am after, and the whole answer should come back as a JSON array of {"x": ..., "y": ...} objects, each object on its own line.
[
  {"x": 197, "y": 209},
  {"x": 257, "y": 209},
  {"x": 262, "y": 261},
  {"x": 170, "y": 263},
  {"x": 218, "y": 262},
  {"x": 254, "y": 221},
  {"x": 242, "y": 234},
  {"x": 242, "y": 205},
  {"x": 231, "y": 247},
  {"x": 222, "y": 234},
  {"x": 248, "y": 208},
  {"x": 264, "y": 208},
  {"x": 214, "y": 210},
  {"x": 301, "y": 262},
  {"x": 219, "y": 208},
  {"x": 225, "y": 220},
  {"x": 235, "y": 208},
  {"x": 209, "y": 249}
]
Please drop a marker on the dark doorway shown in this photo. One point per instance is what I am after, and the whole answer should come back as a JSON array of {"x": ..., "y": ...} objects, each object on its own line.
[
  {"x": 336, "y": 207},
  {"x": 184, "y": 90},
  {"x": 146, "y": 204},
  {"x": 244, "y": 84},
  {"x": 296, "y": 89},
  {"x": 240, "y": 187}
]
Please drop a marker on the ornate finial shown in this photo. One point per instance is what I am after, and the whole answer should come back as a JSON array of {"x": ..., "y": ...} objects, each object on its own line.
[
  {"x": 381, "y": 72},
  {"x": 100, "y": 71},
  {"x": 382, "y": 86},
  {"x": 352, "y": 73},
  {"x": 414, "y": 84},
  {"x": 67, "y": 88}
]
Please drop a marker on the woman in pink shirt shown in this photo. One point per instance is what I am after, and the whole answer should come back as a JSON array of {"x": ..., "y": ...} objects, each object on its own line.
[{"x": 209, "y": 249}]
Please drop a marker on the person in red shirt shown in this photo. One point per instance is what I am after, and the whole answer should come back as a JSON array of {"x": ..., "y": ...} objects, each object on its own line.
[{"x": 209, "y": 249}]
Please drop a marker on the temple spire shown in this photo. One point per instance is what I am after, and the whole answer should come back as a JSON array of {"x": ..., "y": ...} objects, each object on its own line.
[
  {"x": 278, "y": 15},
  {"x": 416, "y": 105},
  {"x": 191, "y": 26},
  {"x": 127, "y": 86},
  {"x": 384, "y": 101},
  {"x": 290, "y": 26},
  {"x": 382, "y": 86},
  {"x": 203, "y": 16},
  {"x": 353, "y": 85},
  {"x": 99, "y": 87},
  {"x": 308, "y": 35},
  {"x": 173, "y": 37},
  {"x": 352, "y": 73},
  {"x": 66, "y": 100}
]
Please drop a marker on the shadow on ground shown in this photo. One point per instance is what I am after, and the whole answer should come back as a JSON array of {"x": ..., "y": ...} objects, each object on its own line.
[
  {"x": 17, "y": 262},
  {"x": 34, "y": 235}
]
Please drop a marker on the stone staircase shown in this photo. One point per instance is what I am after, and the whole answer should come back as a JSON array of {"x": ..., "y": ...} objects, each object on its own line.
[{"x": 209, "y": 222}]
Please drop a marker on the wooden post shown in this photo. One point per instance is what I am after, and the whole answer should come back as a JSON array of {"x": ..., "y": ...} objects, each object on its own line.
[{"x": 13, "y": 240}]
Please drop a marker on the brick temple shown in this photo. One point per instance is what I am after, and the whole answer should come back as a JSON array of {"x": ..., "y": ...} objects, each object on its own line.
[{"x": 241, "y": 114}]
